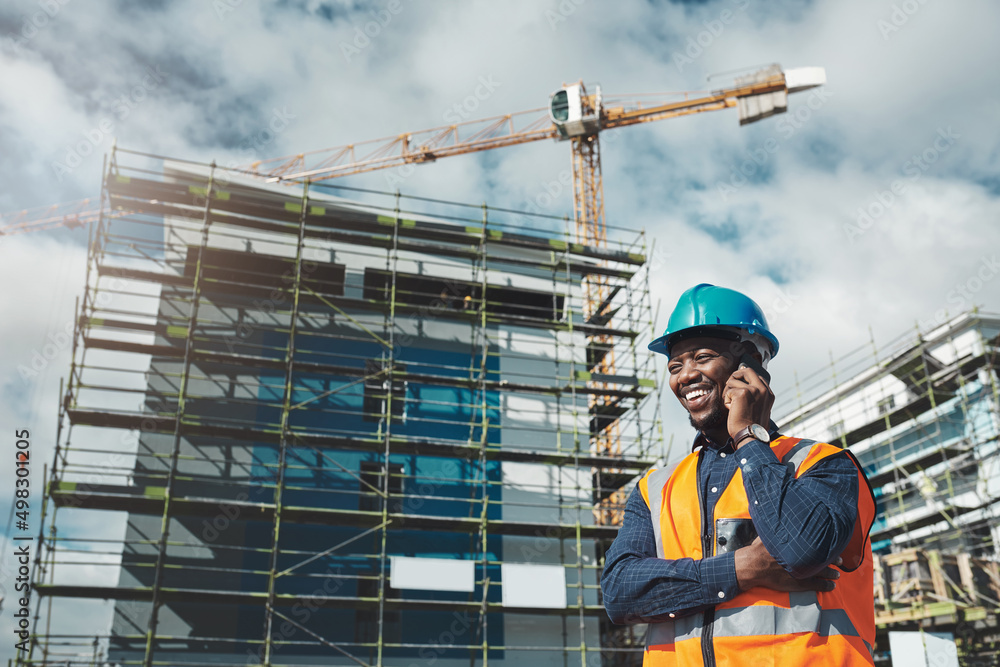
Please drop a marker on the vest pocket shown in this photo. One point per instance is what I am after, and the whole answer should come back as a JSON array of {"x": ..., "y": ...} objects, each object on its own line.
[{"x": 732, "y": 534}]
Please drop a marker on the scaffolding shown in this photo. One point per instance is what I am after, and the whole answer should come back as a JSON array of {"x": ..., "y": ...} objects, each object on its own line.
[
  {"x": 281, "y": 396},
  {"x": 922, "y": 415}
]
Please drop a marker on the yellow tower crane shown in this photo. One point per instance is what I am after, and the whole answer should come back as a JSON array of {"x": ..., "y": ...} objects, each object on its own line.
[{"x": 574, "y": 114}]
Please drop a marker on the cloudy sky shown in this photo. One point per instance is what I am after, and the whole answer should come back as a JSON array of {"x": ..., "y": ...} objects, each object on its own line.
[{"x": 776, "y": 207}]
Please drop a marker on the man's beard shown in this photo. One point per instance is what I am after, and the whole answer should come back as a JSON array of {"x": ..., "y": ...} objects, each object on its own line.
[{"x": 716, "y": 418}]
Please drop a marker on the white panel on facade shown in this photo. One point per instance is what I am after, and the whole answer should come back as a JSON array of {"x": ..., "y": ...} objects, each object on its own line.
[
  {"x": 920, "y": 649},
  {"x": 941, "y": 649},
  {"x": 906, "y": 648},
  {"x": 537, "y": 586},
  {"x": 432, "y": 574}
]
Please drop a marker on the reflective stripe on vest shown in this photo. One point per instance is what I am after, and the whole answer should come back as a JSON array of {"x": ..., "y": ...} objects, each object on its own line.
[
  {"x": 657, "y": 482},
  {"x": 805, "y": 615},
  {"x": 797, "y": 454}
]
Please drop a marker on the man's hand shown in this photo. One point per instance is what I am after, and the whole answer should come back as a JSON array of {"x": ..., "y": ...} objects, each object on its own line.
[
  {"x": 755, "y": 566},
  {"x": 748, "y": 399}
]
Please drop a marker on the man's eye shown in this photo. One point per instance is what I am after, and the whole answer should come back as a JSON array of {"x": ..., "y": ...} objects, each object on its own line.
[
  {"x": 674, "y": 370},
  {"x": 703, "y": 357}
]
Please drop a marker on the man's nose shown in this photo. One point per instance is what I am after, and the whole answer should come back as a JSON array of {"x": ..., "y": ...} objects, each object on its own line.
[{"x": 688, "y": 374}]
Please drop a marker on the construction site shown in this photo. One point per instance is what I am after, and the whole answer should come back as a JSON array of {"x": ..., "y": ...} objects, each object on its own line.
[
  {"x": 307, "y": 423},
  {"x": 360, "y": 433}
]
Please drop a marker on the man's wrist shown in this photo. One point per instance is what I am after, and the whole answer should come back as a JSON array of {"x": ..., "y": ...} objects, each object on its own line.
[
  {"x": 754, "y": 565},
  {"x": 746, "y": 568},
  {"x": 735, "y": 432},
  {"x": 742, "y": 434},
  {"x": 748, "y": 433}
]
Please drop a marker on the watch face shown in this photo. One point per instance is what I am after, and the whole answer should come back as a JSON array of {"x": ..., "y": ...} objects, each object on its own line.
[{"x": 760, "y": 433}]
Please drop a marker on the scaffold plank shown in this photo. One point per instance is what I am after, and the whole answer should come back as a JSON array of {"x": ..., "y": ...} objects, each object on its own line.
[
  {"x": 150, "y": 423},
  {"x": 194, "y": 595},
  {"x": 149, "y": 196},
  {"x": 371, "y": 305},
  {"x": 149, "y": 500}
]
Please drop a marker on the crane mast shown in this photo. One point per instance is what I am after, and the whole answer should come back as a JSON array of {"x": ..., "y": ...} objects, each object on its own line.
[{"x": 591, "y": 230}]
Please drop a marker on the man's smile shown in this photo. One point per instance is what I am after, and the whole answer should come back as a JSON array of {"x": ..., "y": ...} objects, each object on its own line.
[{"x": 698, "y": 397}]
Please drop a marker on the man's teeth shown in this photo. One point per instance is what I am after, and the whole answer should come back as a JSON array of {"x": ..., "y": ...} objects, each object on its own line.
[{"x": 696, "y": 394}]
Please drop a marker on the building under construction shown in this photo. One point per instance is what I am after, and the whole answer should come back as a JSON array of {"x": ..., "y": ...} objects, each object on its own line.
[
  {"x": 922, "y": 415},
  {"x": 308, "y": 428}
]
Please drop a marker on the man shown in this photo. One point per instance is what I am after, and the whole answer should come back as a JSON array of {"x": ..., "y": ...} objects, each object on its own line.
[{"x": 753, "y": 550}]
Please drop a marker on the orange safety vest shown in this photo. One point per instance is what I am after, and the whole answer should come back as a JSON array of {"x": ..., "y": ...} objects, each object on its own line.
[{"x": 760, "y": 627}]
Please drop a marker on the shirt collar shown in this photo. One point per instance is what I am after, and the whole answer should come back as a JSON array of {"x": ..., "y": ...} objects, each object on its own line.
[{"x": 702, "y": 440}]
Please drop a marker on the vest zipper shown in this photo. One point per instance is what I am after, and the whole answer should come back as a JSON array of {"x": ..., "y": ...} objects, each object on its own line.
[{"x": 707, "y": 645}]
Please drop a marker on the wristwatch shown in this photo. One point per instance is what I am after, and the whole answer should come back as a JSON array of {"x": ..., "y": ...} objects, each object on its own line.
[{"x": 755, "y": 431}]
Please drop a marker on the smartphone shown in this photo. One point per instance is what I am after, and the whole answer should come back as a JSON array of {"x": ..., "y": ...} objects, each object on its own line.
[{"x": 750, "y": 362}]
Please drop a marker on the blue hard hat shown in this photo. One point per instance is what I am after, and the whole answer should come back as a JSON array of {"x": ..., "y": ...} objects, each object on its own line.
[{"x": 707, "y": 310}]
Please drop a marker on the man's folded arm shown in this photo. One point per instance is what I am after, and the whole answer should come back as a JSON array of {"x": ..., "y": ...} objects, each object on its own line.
[
  {"x": 639, "y": 587},
  {"x": 804, "y": 522}
]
